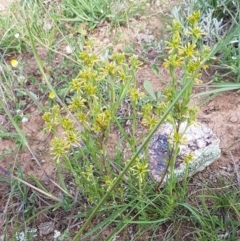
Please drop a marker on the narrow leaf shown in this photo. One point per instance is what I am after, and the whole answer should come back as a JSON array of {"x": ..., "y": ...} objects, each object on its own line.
[{"x": 148, "y": 87}]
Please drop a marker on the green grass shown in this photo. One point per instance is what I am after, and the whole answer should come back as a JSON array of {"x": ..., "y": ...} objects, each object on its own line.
[
  {"x": 220, "y": 20},
  {"x": 117, "y": 12},
  {"x": 108, "y": 192}
]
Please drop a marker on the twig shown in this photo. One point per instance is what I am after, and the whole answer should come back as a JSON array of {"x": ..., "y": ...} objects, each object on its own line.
[
  {"x": 235, "y": 169},
  {"x": 73, "y": 209}
]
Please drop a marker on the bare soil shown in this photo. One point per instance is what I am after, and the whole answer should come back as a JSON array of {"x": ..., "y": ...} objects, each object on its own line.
[{"x": 4, "y": 4}]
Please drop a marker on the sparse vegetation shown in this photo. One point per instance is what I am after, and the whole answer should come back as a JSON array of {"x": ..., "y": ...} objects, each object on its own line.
[{"x": 98, "y": 120}]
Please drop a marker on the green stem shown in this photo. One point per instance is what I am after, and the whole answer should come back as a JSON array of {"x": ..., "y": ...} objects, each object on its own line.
[
  {"x": 45, "y": 78},
  {"x": 120, "y": 177},
  {"x": 134, "y": 121},
  {"x": 172, "y": 74}
]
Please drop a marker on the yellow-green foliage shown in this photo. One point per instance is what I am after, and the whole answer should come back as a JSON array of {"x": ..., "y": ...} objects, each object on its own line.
[
  {"x": 97, "y": 92},
  {"x": 186, "y": 58}
]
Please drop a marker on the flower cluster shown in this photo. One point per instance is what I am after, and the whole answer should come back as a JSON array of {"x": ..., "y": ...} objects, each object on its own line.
[
  {"x": 140, "y": 169},
  {"x": 186, "y": 55},
  {"x": 60, "y": 146},
  {"x": 184, "y": 49},
  {"x": 95, "y": 99},
  {"x": 149, "y": 117},
  {"x": 96, "y": 94},
  {"x": 186, "y": 52}
]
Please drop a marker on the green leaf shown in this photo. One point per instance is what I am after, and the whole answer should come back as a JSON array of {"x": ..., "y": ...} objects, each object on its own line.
[
  {"x": 158, "y": 94},
  {"x": 65, "y": 235},
  {"x": 155, "y": 69},
  {"x": 149, "y": 89}
]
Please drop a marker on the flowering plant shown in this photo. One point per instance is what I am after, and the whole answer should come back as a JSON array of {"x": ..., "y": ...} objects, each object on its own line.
[{"x": 96, "y": 95}]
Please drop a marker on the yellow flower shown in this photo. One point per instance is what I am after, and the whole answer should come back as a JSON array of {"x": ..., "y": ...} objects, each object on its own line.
[
  {"x": 82, "y": 117},
  {"x": 76, "y": 85},
  {"x": 103, "y": 119},
  {"x": 176, "y": 26},
  {"x": 188, "y": 158},
  {"x": 56, "y": 111},
  {"x": 14, "y": 63},
  {"x": 193, "y": 66},
  {"x": 119, "y": 58},
  {"x": 149, "y": 121},
  {"x": 108, "y": 181},
  {"x": 169, "y": 93},
  {"x": 197, "y": 32},
  {"x": 194, "y": 17},
  {"x": 72, "y": 137},
  {"x": 51, "y": 95},
  {"x": 77, "y": 103},
  {"x": 47, "y": 117},
  {"x": 188, "y": 50},
  {"x": 177, "y": 137},
  {"x": 173, "y": 61},
  {"x": 86, "y": 75},
  {"x": 96, "y": 128},
  {"x": 58, "y": 148},
  {"x": 174, "y": 43},
  {"x": 205, "y": 52},
  {"x": 122, "y": 74},
  {"x": 88, "y": 174},
  {"x": 134, "y": 62},
  {"x": 198, "y": 81},
  {"x": 110, "y": 68},
  {"x": 88, "y": 59},
  {"x": 140, "y": 169},
  {"x": 90, "y": 90},
  {"x": 135, "y": 94},
  {"x": 147, "y": 109},
  {"x": 161, "y": 107},
  {"x": 67, "y": 124}
]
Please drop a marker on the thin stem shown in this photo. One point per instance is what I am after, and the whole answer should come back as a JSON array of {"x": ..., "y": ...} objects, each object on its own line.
[{"x": 121, "y": 175}]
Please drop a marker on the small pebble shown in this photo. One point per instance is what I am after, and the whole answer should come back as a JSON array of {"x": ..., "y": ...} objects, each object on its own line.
[
  {"x": 46, "y": 228},
  {"x": 32, "y": 109},
  {"x": 233, "y": 118},
  {"x": 158, "y": 3}
]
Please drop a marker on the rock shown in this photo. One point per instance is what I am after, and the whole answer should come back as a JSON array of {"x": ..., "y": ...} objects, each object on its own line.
[
  {"x": 199, "y": 141},
  {"x": 233, "y": 118},
  {"x": 158, "y": 3},
  {"x": 46, "y": 228},
  {"x": 146, "y": 38}
]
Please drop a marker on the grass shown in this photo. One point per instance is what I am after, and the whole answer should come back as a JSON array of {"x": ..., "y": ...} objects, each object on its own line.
[
  {"x": 220, "y": 21},
  {"x": 113, "y": 192}
]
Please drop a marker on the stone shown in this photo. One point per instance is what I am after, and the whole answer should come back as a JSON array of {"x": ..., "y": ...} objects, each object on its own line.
[
  {"x": 199, "y": 141},
  {"x": 46, "y": 228},
  {"x": 233, "y": 118}
]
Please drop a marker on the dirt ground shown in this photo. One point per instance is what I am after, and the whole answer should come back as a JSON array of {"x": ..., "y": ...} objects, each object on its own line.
[
  {"x": 221, "y": 114},
  {"x": 4, "y": 4}
]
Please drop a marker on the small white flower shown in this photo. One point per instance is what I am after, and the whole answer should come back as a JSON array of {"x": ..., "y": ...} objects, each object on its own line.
[
  {"x": 47, "y": 26},
  {"x": 19, "y": 112},
  {"x": 56, "y": 234},
  {"x": 33, "y": 231},
  {"x": 21, "y": 78},
  {"x": 24, "y": 119},
  {"x": 68, "y": 49},
  {"x": 16, "y": 35},
  {"x": 20, "y": 236}
]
